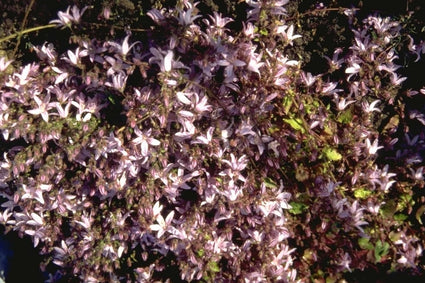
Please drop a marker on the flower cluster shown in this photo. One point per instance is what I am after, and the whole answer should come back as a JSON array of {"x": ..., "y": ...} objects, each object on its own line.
[{"x": 210, "y": 154}]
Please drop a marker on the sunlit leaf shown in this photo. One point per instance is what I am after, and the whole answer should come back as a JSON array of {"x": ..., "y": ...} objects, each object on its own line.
[
  {"x": 362, "y": 193},
  {"x": 297, "y": 207},
  {"x": 213, "y": 266},
  {"x": 296, "y": 124},
  {"x": 332, "y": 154}
]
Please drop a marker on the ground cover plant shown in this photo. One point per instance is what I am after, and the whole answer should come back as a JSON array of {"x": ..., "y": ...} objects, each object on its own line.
[{"x": 207, "y": 146}]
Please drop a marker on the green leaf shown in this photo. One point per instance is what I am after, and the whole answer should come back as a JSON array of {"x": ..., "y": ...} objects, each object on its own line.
[
  {"x": 388, "y": 209},
  {"x": 264, "y": 32},
  {"x": 201, "y": 252},
  {"x": 362, "y": 193},
  {"x": 269, "y": 183},
  {"x": 332, "y": 154},
  {"x": 296, "y": 124},
  {"x": 419, "y": 214},
  {"x": 213, "y": 266},
  {"x": 297, "y": 208},
  {"x": 400, "y": 217},
  {"x": 365, "y": 244},
  {"x": 381, "y": 250},
  {"x": 345, "y": 117},
  {"x": 287, "y": 103}
]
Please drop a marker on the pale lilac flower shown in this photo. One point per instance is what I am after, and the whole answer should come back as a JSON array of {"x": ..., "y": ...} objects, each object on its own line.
[
  {"x": 335, "y": 63},
  {"x": 163, "y": 224},
  {"x": 164, "y": 59},
  {"x": 156, "y": 15},
  {"x": 62, "y": 75},
  {"x": 124, "y": 48},
  {"x": 186, "y": 18},
  {"x": 67, "y": 18},
  {"x": 36, "y": 220},
  {"x": 75, "y": 57},
  {"x": 372, "y": 148},
  {"x": 200, "y": 105},
  {"x": 217, "y": 27},
  {"x": 86, "y": 221},
  {"x": 236, "y": 164},
  {"x": 368, "y": 108},
  {"x": 230, "y": 62},
  {"x": 119, "y": 81},
  {"x": 255, "y": 63},
  {"x": 308, "y": 79},
  {"x": 248, "y": 30},
  {"x": 62, "y": 112},
  {"x": 352, "y": 70},
  {"x": 106, "y": 13},
  {"x": 287, "y": 33},
  {"x": 23, "y": 76},
  {"x": 275, "y": 8},
  {"x": 46, "y": 52},
  {"x": 204, "y": 139},
  {"x": 144, "y": 140},
  {"x": 89, "y": 107},
  {"x": 345, "y": 262},
  {"x": 357, "y": 215},
  {"x": 396, "y": 80},
  {"x": 343, "y": 103},
  {"x": 418, "y": 173},
  {"x": 94, "y": 52},
  {"x": 43, "y": 107},
  {"x": 4, "y": 63}
]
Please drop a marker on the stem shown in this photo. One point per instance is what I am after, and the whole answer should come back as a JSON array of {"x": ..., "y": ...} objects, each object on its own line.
[
  {"x": 24, "y": 22},
  {"x": 26, "y": 31},
  {"x": 312, "y": 12}
]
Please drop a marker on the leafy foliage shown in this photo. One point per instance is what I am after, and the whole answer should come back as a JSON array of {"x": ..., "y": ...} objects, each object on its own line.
[{"x": 202, "y": 146}]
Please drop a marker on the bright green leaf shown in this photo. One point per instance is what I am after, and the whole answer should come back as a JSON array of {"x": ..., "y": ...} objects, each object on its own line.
[
  {"x": 332, "y": 154},
  {"x": 296, "y": 124},
  {"x": 213, "y": 266},
  {"x": 345, "y": 117},
  {"x": 297, "y": 207},
  {"x": 362, "y": 193}
]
